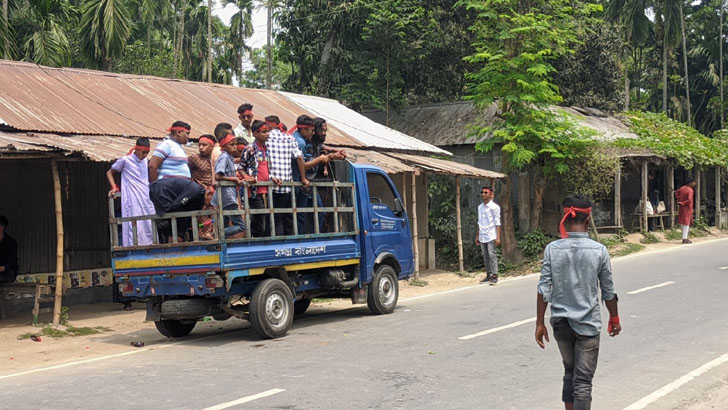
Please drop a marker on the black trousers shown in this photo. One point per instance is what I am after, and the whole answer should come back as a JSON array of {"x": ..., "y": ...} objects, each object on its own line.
[
  {"x": 284, "y": 222},
  {"x": 260, "y": 223}
]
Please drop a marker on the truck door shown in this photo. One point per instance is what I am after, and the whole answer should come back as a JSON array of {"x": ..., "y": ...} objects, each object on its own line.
[{"x": 388, "y": 224}]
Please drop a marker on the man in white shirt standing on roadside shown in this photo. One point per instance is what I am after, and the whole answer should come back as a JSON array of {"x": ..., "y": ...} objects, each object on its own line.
[{"x": 488, "y": 234}]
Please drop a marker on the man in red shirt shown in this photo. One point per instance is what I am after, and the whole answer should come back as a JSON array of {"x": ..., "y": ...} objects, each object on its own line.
[{"x": 684, "y": 198}]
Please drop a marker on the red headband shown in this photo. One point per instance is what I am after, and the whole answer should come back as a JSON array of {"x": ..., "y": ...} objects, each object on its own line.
[
  {"x": 228, "y": 138},
  {"x": 278, "y": 126},
  {"x": 138, "y": 147},
  {"x": 571, "y": 212},
  {"x": 208, "y": 139},
  {"x": 247, "y": 112},
  {"x": 170, "y": 129},
  {"x": 264, "y": 127}
]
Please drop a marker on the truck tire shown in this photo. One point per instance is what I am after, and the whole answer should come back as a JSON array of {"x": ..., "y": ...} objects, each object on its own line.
[
  {"x": 383, "y": 291},
  {"x": 174, "y": 328},
  {"x": 300, "y": 306},
  {"x": 271, "y": 309},
  {"x": 193, "y": 308}
]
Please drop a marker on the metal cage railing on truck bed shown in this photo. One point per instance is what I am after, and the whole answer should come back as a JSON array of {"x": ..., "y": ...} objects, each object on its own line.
[{"x": 342, "y": 209}]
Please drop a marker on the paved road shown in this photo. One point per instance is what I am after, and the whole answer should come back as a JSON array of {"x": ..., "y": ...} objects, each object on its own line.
[{"x": 674, "y": 339}]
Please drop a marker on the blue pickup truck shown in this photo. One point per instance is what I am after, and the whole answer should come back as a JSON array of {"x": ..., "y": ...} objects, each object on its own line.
[{"x": 364, "y": 250}]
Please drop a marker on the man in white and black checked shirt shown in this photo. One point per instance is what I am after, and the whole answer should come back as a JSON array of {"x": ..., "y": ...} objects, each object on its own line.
[{"x": 282, "y": 150}]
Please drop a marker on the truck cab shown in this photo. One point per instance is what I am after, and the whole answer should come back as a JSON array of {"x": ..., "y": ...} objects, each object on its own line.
[{"x": 362, "y": 254}]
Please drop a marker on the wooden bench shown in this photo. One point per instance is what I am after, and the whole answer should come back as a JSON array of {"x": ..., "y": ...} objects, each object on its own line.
[
  {"x": 659, "y": 220},
  {"x": 41, "y": 293}
]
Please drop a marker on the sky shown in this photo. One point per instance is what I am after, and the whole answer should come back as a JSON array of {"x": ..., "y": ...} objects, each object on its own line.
[{"x": 259, "y": 22}]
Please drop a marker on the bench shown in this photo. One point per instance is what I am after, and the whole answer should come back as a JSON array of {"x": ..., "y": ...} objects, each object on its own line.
[
  {"x": 659, "y": 220},
  {"x": 42, "y": 294}
]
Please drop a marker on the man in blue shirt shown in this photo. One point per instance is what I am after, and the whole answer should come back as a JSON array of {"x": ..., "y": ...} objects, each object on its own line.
[
  {"x": 313, "y": 159},
  {"x": 574, "y": 269}
]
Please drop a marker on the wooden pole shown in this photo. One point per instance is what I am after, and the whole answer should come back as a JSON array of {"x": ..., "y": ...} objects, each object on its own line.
[
  {"x": 644, "y": 196},
  {"x": 618, "y": 197},
  {"x": 59, "y": 244},
  {"x": 415, "y": 239},
  {"x": 458, "y": 220},
  {"x": 404, "y": 190},
  {"x": 718, "y": 177},
  {"x": 698, "y": 191},
  {"x": 671, "y": 194}
]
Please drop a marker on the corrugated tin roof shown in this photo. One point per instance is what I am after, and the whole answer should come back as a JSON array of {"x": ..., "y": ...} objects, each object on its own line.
[
  {"x": 452, "y": 123},
  {"x": 361, "y": 128},
  {"x": 94, "y": 147},
  {"x": 447, "y": 167},
  {"x": 85, "y": 102},
  {"x": 387, "y": 163}
]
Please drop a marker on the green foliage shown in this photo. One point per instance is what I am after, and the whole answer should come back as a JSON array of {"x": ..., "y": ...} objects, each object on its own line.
[
  {"x": 673, "y": 139},
  {"x": 649, "y": 237},
  {"x": 700, "y": 228},
  {"x": 583, "y": 168},
  {"x": 104, "y": 29},
  {"x": 626, "y": 249},
  {"x": 255, "y": 77},
  {"x": 673, "y": 235},
  {"x": 139, "y": 59},
  {"x": 533, "y": 243},
  {"x": 418, "y": 282},
  {"x": 515, "y": 48},
  {"x": 65, "y": 331},
  {"x": 64, "y": 315}
]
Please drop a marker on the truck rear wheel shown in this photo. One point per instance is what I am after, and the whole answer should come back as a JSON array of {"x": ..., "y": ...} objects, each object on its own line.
[
  {"x": 383, "y": 291},
  {"x": 271, "y": 309},
  {"x": 174, "y": 328}
]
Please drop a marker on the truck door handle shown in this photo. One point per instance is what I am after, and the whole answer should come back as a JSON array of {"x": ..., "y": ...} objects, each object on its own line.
[{"x": 375, "y": 220}]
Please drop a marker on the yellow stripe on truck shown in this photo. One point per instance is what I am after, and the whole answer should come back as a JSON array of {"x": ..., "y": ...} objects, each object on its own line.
[
  {"x": 168, "y": 262},
  {"x": 306, "y": 266}
]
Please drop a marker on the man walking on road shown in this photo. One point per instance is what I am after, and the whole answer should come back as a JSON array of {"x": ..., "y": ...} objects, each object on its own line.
[
  {"x": 684, "y": 198},
  {"x": 488, "y": 234},
  {"x": 574, "y": 269}
]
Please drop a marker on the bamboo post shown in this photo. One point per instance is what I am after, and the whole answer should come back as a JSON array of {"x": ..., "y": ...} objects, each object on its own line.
[
  {"x": 59, "y": 244},
  {"x": 458, "y": 219},
  {"x": 718, "y": 177},
  {"x": 698, "y": 191},
  {"x": 618, "y": 197},
  {"x": 671, "y": 194},
  {"x": 404, "y": 190},
  {"x": 644, "y": 197},
  {"x": 415, "y": 239}
]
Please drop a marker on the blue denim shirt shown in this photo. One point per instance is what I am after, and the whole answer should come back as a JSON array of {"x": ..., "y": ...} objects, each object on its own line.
[{"x": 574, "y": 270}]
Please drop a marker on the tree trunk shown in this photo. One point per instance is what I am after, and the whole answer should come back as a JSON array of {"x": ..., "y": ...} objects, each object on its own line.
[
  {"x": 685, "y": 64},
  {"x": 386, "y": 97},
  {"x": 720, "y": 53},
  {"x": 324, "y": 76},
  {"x": 539, "y": 186},
  {"x": 510, "y": 246},
  {"x": 626, "y": 87},
  {"x": 664, "y": 76},
  {"x": 5, "y": 18},
  {"x": 269, "y": 51},
  {"x": 180, "y": 40},
  {"x": 209, "y": 41}
]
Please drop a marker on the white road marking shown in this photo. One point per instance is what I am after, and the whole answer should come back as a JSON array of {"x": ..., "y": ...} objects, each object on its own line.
[
  {"x": 634, "y": 292},
  {"x": 498, "y": 329},
  {"x": 668, "y": 388},
  {"x": 245, "y": 399},
  {"x": 723, "y": 267},
  {"x": 503, "y": 281}
]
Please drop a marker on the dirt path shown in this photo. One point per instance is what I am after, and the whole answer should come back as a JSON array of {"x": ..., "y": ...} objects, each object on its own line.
[{"x": 129, "y": 326}]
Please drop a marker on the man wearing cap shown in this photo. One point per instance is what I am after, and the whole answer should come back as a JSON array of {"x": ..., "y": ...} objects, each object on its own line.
[
  {"x": 245, "y": 113},
  {"x": 8, "y": 254},
  {"x": 133, "y": 170}
]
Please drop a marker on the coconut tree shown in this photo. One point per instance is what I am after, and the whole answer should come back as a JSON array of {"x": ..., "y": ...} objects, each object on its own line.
[
  {"x": 105, "y": 27},
  {"x": 720, "y": 59},
  {"x": 685, "y": 61},
  {"x": 241, "y": 28},
  {"x": 670, "y": 10},
  {"x": 38, "y": 28}
]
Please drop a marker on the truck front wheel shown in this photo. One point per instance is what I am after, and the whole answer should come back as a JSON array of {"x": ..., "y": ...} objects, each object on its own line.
[
  {"x": 174, "y": 328},
  {"x": 383, "y": 291},
  {"x": 271, "y": 309}
]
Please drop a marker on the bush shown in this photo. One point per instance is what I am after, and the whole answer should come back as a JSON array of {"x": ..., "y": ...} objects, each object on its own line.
[
  {"x": 649, "y": 237},
  {"x": 533, "y": 243},
  {"x": 673, "y": 235}
]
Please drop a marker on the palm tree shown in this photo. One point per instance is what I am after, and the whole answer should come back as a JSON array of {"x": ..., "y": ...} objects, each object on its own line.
[
  {"x": 720, "y": 59},
  {"x": 635, "y": 27},
  {"x": 241, "y": 28},
  {"x": 38, "y": 29},
  {"x": 5, "y": 32},
  {"x": 209, "y": 41},
  {"x": 685, "y": 61},
  {"x": 670, "y": 39},
  {"x": 105, "y": 27}
]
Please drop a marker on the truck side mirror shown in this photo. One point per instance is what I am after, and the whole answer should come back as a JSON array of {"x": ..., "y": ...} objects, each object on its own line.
[{"x": 398, "y": 208}]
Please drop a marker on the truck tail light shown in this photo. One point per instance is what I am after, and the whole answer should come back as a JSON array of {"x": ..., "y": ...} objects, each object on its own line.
[
  {"x": 126, "y": 287},
  {"x": 213, "y": 282}
]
